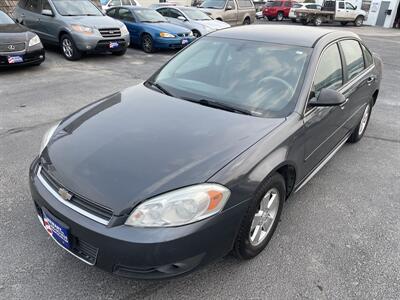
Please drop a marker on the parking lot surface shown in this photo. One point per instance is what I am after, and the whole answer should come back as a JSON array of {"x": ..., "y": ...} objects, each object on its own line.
[{"x": 339, "y": 237}]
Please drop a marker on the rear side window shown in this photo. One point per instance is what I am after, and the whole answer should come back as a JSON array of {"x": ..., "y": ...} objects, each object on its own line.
[
  {"x": 353, "y": 57},
  {"x": 33, "y": 5},
  {"x": 368, "y": 60},
  {"x": 288, "y": 4},
  {"x": 341, "y": 5},
  {"x": 329, "y": 72},
  {"x": 164, "y": 12},
  {"x": 297, "y": 5},
  {"x": 245, "y": 3}
]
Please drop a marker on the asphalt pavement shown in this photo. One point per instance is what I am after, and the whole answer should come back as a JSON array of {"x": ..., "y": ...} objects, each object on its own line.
[{"x": 339, "y": 237}]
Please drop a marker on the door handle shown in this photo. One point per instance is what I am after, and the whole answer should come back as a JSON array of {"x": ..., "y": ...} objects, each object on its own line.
[
  {"x": 370, "y": 80},
  {"x": 344, "y": 103}
]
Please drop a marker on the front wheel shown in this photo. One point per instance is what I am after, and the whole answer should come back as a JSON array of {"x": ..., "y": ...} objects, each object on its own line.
[
  {"x": 69, "y": 49},
  {"x": 359, "y": 131},
  {"x": 279, "y": 16},
  {"x": 359, "y": 21},
  {"x": 147, "y": 43},
  {"x": 261, "y": 219}
]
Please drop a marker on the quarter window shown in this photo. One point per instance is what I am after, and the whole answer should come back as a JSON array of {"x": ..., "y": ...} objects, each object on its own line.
[
  {"x": 353, "y": 57},
  {"x": 368, "y": 60},
  {"x": 329, "y": 73}
]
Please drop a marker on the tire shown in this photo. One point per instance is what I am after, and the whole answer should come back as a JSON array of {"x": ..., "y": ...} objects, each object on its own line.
[
  {"x": 246, "y": 21},
  {"x": 196, "y": 33},
  {"x": 247, "y": 245},
  {"x": 304, "y": 21},
  {"x": 147, "y": 43},
  {"x": 359, "y": 21},
  {"x": 293, "y": 20},
  {"x": 359, "y": 131},
  {"x": 317, "y": 21},
  {"x": 68, "y": 48},
  {"x": 270, "y": 18},
  {"x": 120, "y": 53},
  {"x": 279, "y": 16},
  {"x": 344, "y": 23}
]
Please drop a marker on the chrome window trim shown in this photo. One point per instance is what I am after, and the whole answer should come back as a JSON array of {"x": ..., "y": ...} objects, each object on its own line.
[
  {"x": 345, "y": 86},
  {"x": 66, "y": 203}
]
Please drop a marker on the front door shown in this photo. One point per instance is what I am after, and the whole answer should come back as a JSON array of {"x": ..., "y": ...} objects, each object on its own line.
[
  {"x": 340, "y": 13},
  {"x": 231, "y": 16},
  {"x": 323, "y": 125},
  {"x": 48, "y": 24}
]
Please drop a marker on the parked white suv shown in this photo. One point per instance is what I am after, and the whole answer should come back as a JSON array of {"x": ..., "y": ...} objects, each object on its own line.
[
  {"x": 106, "y": 4},
  {"x": 292, "y": 12}
]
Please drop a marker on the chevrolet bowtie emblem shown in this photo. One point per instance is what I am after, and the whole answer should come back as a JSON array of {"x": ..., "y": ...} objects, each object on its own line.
[{"x": 64, "y": 194}]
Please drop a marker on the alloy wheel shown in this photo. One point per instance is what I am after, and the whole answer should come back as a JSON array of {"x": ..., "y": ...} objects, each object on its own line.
[
  {"x": 147, "y": 44},
  {"x": 67, "y": 48},
  {"x": 364, "y": 120},
  {"x": 264, "y": 218}
]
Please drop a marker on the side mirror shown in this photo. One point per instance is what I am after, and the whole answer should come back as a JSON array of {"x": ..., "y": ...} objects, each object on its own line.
[
  {"x": 181, "y": 18},
  {"x": 328, "y": 97},
  {"x": 355, "y": 7},
  {"x": 229, "y": 7},
  {"x": 47, "y": 12}
]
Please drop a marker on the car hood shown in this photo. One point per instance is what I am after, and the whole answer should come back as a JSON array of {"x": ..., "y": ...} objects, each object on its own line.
[
  {"x": 139, "y": 143},
  {"x": 94, "y": 21},
  {"x": 165, "y": 26},
  {"x": 213, "y": 24},
  {"x": 13, "y": 33}
]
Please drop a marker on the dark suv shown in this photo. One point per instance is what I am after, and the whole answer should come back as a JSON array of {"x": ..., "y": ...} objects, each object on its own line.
[{"x": 76, "y": 25}]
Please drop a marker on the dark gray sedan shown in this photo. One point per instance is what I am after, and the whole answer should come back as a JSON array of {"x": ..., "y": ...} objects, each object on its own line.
[{"x": 197, "y": 162}]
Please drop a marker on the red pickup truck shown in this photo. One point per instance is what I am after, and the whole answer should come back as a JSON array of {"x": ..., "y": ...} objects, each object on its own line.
[{"x": 277, "y": 9}]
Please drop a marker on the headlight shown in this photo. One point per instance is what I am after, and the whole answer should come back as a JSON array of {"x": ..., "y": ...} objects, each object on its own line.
[
  {"x": 83, "y": 29},
  {"x": 190, "y": 33},
  {"x": 124, "y": 30},
  {"x": 180, "y": 207},
  {"x": 34, "y": 41},
  {"x": 47, "y": 136},
  {"x": 166, "y": 35}
]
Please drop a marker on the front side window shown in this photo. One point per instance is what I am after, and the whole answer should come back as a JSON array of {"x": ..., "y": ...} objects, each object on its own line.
[
  {"x": 349, "y": 6},
  {"x": 260, "y": 77},
  {"x": 368, "y": 60},
  {"x": 353, "y": 57},
  {"x": 298, "y": 5},
  {"x": 329, "y": 73},
  {"x": 174, "y": 13},
  {"x": 111, "y": 13},
  {"x": 196, "y": 14},
  {"x": 149, "y": 16},
  {"x": 231, "y": 3},
  {"x": 76, "y": 8},
  {"x": 46, "y": 5},
  {"x": 125, "y": 15},
  {"x": 33, "y": 5},
  {"x": 245, "y": 3}
]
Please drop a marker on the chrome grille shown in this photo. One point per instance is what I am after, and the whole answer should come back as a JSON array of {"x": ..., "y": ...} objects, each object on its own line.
[
  {"x": 183, "y": 34},
  {"x": 110, "y": 32},
  {"x": 13, "y": 47}
]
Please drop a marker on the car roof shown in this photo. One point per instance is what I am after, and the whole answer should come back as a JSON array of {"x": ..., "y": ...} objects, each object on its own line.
[{"x": 303, "y": 36}]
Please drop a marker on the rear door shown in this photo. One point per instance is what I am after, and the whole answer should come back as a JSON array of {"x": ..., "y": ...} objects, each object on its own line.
[
  {"x": 360, "y": 83},
  {"x": 324, "y": 125}
]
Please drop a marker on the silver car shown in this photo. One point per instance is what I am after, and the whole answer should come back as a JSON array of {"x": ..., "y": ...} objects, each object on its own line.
[
  {"x": 78, "y": 26},
  {"x": 192, "y": 18}
]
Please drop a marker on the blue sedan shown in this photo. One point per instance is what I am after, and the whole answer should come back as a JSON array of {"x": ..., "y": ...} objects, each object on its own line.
[{"x": 151, "y": 30}]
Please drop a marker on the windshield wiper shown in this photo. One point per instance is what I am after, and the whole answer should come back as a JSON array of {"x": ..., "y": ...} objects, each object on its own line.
[
  {"x": 159, "y": 87},
  {"x": 220, "y": 105}
]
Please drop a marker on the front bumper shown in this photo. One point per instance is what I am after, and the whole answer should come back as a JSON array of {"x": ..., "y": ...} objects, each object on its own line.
[
  {"x": 29, "y": 58},
  {"x": 142, "y": 253},
  {"x": 97, "y": 43},
  {"x": 172, "y": 43}
]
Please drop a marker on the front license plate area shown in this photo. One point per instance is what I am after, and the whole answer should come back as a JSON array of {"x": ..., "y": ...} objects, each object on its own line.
[
  {"x": 15, "y": 59},
  {"x": 56, "y": 229},
  {"x": 114, "y": 45},
  {"x": 185, "y": 41}
]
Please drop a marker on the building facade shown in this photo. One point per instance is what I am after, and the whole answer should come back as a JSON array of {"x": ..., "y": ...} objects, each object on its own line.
[{"x": 385, "y": 13}]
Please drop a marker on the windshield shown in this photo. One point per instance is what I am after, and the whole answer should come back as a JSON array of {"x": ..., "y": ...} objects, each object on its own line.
[
  {"x": 76, "y": 8},
  {"x": 4, "y": 19},
  {"x": 149, "y": 16},
  {"x": 196, "y": 14},
  {"x": 213, "y": 4},
  {"x": 259, "y": 77}
]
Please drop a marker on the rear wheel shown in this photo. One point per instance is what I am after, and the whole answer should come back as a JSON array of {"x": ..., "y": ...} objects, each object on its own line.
[
  {"x": 279, "y": 16},
  {"x": 318, "y": 21},
  {"x": 147, "y": 43},
  {"x": 69, "y": 49},
  {"x": 196, "y": 33},
  {"x": 246, "y": 21},
  {"x": 261, "y": 219},
  {"x": 359, "y": 21},
  {"x": 359, "y": 131},
  {"x": 293, "y": 20}
]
